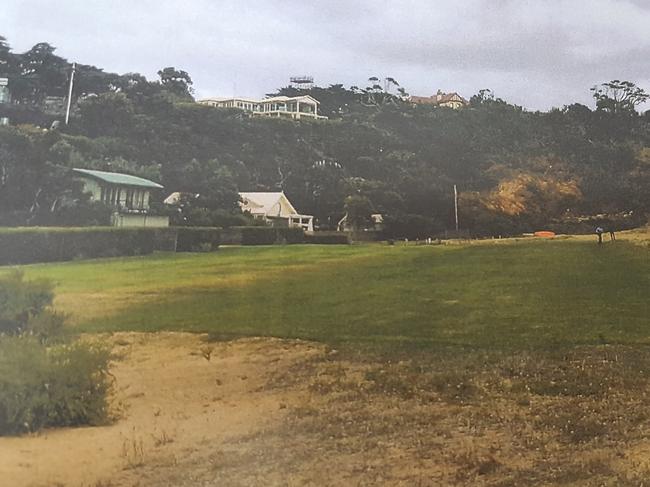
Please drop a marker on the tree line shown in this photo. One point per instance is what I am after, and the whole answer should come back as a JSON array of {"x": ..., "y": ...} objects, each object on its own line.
[{"x": 516, "y": 170}]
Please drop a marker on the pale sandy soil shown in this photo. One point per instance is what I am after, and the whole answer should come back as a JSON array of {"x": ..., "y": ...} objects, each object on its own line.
[
  {"x": 173, "y": 404},
  {"x": 268, "y": 412}
]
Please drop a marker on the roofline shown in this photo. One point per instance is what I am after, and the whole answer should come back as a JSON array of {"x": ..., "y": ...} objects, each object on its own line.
[
  {"x": 280, "y": 193},
  {"x": 263, "y": 100},
  {"x": 83, "y": 172}
]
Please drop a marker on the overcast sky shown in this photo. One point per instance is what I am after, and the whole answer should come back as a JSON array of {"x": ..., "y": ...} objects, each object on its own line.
[{"x": 535, "y": 53}]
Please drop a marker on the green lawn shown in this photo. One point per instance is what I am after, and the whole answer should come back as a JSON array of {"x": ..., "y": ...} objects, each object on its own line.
[{"x": 534, "y": 294}]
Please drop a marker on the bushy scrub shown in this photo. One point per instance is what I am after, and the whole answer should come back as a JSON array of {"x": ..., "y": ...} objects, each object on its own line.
[
  {"x": 25, "y": 307},
  {"x": 43, "y": 380},
  {"x": 61, "y": 385}
]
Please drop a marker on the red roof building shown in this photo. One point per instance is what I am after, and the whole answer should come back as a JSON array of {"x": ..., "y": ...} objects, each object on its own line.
[{"x": 440, "y": 99}]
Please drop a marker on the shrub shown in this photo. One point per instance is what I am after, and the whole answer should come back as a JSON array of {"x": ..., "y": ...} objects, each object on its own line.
[
  {"x": 291, "y": 235},
  {"x": 204, "y": 217},
  {"x": 42, "y": 385},
  {"x": 270, "y": 235},
  {"x": 196, "y": 239},
  {"x": 64, "y": 385},
  {"x": 23, "y": 303},
  {"x": 258, "y": 235},
  {"x": 28, "y": 245},
  {"x": 410, "y": 226},
  {"x": 77, "y": 215},
  {"x": 327, "y": 238}
]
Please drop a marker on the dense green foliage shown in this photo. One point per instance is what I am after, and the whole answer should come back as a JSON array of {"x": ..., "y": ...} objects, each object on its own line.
[
  {"x": 197, "y": 239},
  {"x": 48, "y": 244},
  {"x": 329, "y": 238},
  {"x": 516, "y": 170},
  {"x": 503, "y": 295},
  {"x": 24, "y": 246},
  {"x": 44, "y": 382}
]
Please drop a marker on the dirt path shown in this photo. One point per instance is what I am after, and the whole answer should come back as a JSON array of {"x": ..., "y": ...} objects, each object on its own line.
[{"x": 173, "y": 402}]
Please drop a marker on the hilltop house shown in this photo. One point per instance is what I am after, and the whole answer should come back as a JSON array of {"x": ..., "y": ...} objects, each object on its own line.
[
  {"x": 440, "y": 99},
  {"x": 275, "y": 208},
  {"x": 295, "y": 107},
  {"x": 128, "y": 195}
]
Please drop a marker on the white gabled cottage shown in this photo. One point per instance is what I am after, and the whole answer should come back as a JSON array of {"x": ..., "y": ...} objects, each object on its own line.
[{"x": 275, "y": 208}]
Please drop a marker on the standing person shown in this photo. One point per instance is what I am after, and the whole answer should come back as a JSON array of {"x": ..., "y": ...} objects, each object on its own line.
[
  {"x": 609, "y": 226},
  {"x": 599, "y": 232}
]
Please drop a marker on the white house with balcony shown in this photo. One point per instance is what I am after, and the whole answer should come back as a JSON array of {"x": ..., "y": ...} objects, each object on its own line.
[
  {"x": 128, "y": 195},
  {"x": 275, "y": 208},
  {"x": 295, "y": 107}
]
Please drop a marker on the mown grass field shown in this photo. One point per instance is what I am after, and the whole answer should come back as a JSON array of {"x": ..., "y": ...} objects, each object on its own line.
[
  {"x": 524, "y": 295},
  {"x": 507, "y": 363}
]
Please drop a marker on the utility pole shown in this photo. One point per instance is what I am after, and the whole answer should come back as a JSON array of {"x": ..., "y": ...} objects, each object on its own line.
[
  {"x": 67, "y": 110},
  {"x": 456, "y": 207}
]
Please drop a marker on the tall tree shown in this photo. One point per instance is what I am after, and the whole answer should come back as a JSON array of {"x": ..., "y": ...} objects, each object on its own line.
[
  {"x": 176, "y": 81},
  {"x": 41, "y": 73},
  {"x": 619, "y": 96}
]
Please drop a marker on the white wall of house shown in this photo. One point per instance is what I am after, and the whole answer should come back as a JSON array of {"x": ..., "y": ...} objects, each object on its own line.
[
  {"x": 288, "y": 107},
  {"x": 115, "y": 195},
  {"x": 139, "y": 220},
  {"x": 4, "y": 91}
]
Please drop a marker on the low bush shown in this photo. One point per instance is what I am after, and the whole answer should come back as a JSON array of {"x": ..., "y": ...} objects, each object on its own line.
[
  {"x": 268, "y": 235},
  {"x": 63, "y": 385},
  {"x": 258, "y": 235},
  {"x": 204, "y": 217},
  {"x": 291, "y": 235},
  {"x": 24, "y": 306},
  {"x": 196, "y": 239},
  {"x": 80, "y": 214},
  {"x": 42, "y": 384},
  {"x": 29, "y": 245},
  {"x": 327, "y": 238}
]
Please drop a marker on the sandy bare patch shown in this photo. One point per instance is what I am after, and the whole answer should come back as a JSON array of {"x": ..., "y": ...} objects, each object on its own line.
[
  {"x": 173, "y": 402},
  {"x": 267, "y": 412}
]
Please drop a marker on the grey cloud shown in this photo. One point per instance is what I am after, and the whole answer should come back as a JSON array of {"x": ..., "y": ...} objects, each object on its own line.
[{"x": 538, "y": 54}]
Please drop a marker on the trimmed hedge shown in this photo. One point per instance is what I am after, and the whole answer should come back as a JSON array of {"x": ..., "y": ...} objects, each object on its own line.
[
  {"x": 51, "y": 244},
  {"x": 334, "y": 238},
  {"x": 261, "y": 235},
  {"x": 270, "y": 235},
  {"x": 29, "y": 245},
  {"x": 197, "y": 239}
]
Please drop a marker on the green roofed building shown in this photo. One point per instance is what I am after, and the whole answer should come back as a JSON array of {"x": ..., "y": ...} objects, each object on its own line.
[{"x": 129, "y": 195}]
